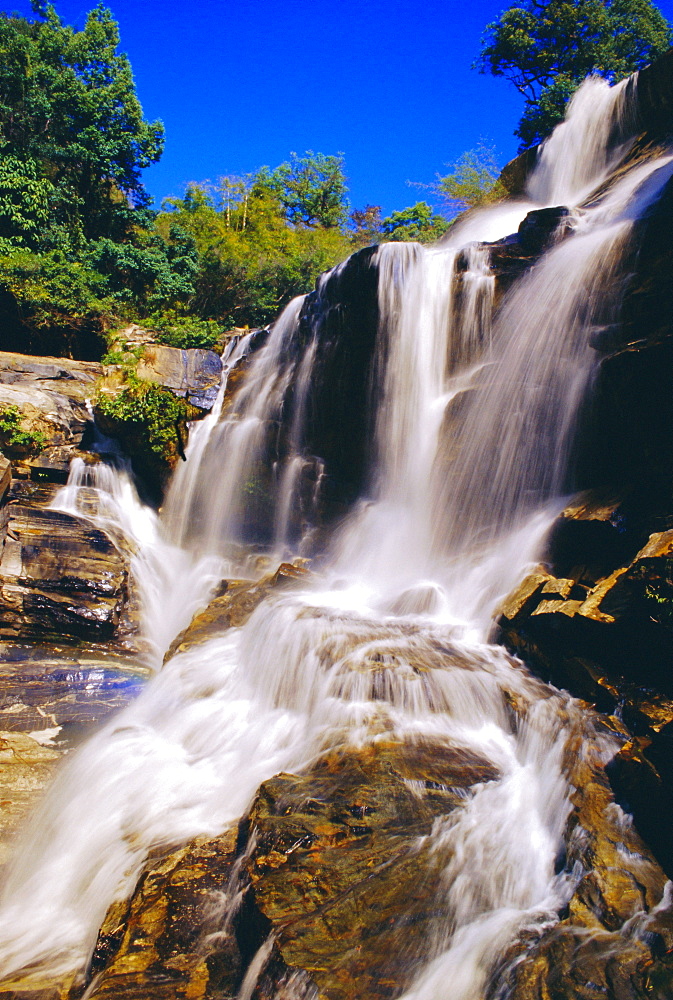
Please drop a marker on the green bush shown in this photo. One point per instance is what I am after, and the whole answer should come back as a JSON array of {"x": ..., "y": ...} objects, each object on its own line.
[
  {"x": 185, "y": 331},
  {"x": 12, "y": 438},
  {"x": 151, "y": 412}
]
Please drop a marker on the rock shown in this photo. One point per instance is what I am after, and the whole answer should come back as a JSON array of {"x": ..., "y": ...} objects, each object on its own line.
[
  {"x": 193, "y": 374},
  {"x": 233, "y": 607},
  {"x": 614, "y": 940},
  {"x": 541, "y": 228},
  {"x": 51, "y": 395},
  {"x": 168, "y": 941},
  {"x": 515, "y": 174},
  {"x": 25, "y": 768},
  {"x": 338, "y": 871},
  {"x": 343, "y": 314},
  {"x": 5, "y": 477},
  {"x": 60, "y": 693},
  {"x": 58, "y": 574},
  {"x": 330, "y": 863},
  {"x": 610, "y": 643}
]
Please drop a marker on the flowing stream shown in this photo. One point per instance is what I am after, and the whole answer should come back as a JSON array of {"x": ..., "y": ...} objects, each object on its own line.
[{"x": 475, "y": 414}]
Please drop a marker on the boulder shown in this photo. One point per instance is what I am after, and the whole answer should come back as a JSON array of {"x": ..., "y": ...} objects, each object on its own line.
[
  {"x": 308, "y": 895},
  {"x": 193, "y": 374},
  {"x": 26, "y": 766},
  {"x": 615, "y": 937}
]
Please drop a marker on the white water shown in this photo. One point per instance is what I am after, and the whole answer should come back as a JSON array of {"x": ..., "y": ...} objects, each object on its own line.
[{"x": 473, "y": 435}]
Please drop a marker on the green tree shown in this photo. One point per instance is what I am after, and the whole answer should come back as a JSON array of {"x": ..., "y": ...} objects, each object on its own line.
[
  {"x": 252, "y": 257},
  {"x": 547, "y": 47},
  {"x": 68, "y": 103},
  {"x": 418, "y": 223},
  {"x": 366, "y": 225},
  {"x": 311, "y": 189},
  {"x": 472, "y": 180},
  {"x": 77, "y": 238}
]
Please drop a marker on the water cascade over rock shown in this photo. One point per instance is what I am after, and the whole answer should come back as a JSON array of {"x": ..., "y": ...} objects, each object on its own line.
[{"x": 336, "y": 786}]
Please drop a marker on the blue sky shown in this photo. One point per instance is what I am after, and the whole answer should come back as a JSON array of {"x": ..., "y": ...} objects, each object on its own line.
[{"x": 242, "y": 83}]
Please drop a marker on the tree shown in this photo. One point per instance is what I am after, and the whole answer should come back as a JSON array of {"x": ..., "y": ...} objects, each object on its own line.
[
  {"x": 472, "y": 180},
  {"x": 68, "y": 105},
  {"x": 547, "y": 47},
  {"x": 252, "y": 258},
  {"x": 77, "y": 237},
  {"x": 418, "y": 223},
  {"x": 311, "y": 189},
  {"x": 366, "y": 225}
]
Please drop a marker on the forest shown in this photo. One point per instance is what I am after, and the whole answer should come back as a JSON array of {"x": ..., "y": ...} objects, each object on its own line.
[{"x": 83, "y": 252}]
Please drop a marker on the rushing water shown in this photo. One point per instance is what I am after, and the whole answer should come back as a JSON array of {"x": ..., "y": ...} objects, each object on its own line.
[{"x": 473, "y": 431}]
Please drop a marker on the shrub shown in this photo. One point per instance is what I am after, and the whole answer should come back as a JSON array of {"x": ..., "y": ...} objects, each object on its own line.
[
  {"x": 148, "y": 412},
  {"x": 15, "y": 440}
]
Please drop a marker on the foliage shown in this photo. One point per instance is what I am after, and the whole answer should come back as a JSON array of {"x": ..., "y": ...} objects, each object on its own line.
[
  {"x": 13, "y": 438},
  {"x": 185, "y": 331},
  {"x": 366, "y": 225},
  {"x": 311, "y": 189},
  {"x": 547, "y": 47},
  {"x": 77, "y": 241},
  {"x": 472, "y": 181},
  {"x": 24, "y": 202},
  {"x": 419, "y": 223},
  {"x": 148, "y": 410},
  {"x": 68, "y": 104},
  {"x": 252, "y": 259},
  {"x": 53, "y": 286}
]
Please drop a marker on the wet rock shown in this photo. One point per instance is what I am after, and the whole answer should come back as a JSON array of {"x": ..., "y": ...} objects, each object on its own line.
[
  {"x": 609, "y": 639},
  {"x": 541, "y": 228},
  {"x": 329, "y": 877},
  {"x": 343, "y": 315},
  {"x": 26, "y": 766},
  {"x": 59, "y": 576},
  {"x": 613, "y": 940},
  {"x": 622, "y": 624},
  {"x": 59, "y": 693},
  {"x": 339, "y": 873},
  {"x": 193, "y": 374},
  {"x": 234, "y": 606},
  {"x": 170, "y": 940}
]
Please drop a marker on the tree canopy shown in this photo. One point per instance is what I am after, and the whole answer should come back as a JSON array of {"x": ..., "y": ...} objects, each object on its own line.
[
  {"x": 77, "y": 238},
  {"x": 545, "y": 48},
  {"x": 472, "y": 180},
  {"x": 80, "y": 247}
]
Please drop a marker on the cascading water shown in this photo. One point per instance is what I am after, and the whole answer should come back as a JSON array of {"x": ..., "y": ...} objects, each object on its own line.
[{"x": 473, "y": 433}]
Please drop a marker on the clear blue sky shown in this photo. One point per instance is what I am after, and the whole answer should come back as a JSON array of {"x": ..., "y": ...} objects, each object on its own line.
[{"x": 242, "y": 83}]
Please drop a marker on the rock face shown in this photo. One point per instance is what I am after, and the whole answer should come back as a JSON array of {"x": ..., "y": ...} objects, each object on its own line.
[
  {"x": 25, "y": 768},
  {"x": 343, "y": 316},
  {"x": 327, "y": 891},
  {"x": 606, "y": 634},
  {"x": 233, "y": 606},
  {"x": 310, "y": 889},
  {"x": 192, "y": 374},
  {"x": 59, "y": 576},
  {"x": 51, "y": 395}
]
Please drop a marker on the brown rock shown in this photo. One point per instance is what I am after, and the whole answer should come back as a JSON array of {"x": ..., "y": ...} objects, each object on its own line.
[
  {"x": 233, "y": 607},
  {"x": 58, "y": 574},
  {"x": 172, "y": 940},
  {"x": 25, "y": 768}
]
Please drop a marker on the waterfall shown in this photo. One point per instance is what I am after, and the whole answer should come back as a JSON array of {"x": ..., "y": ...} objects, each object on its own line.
[{"x": 475, "y": 413}]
